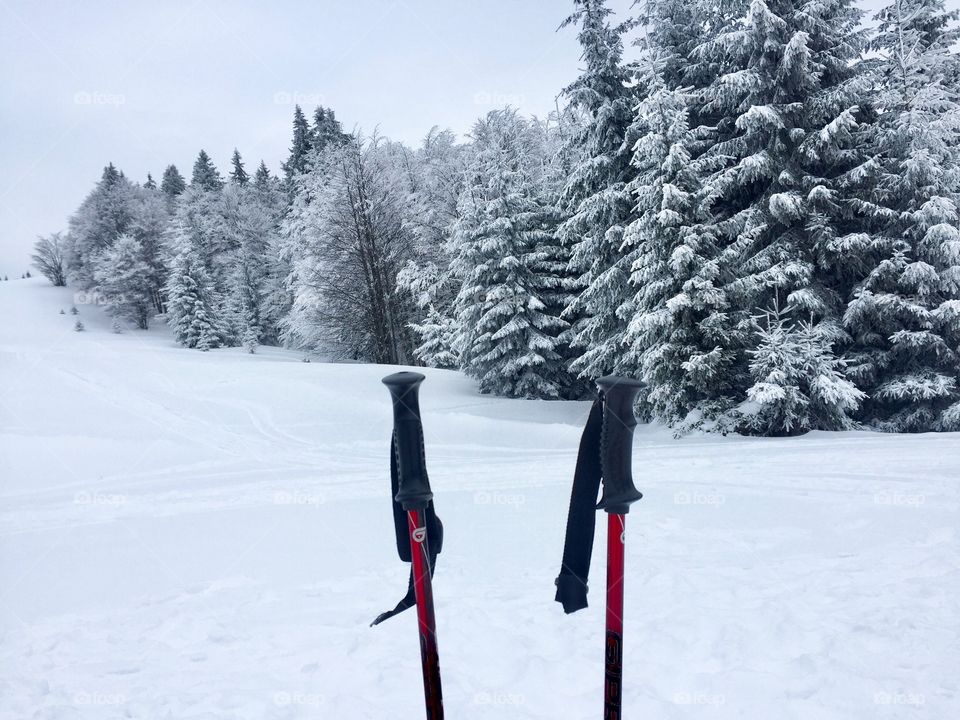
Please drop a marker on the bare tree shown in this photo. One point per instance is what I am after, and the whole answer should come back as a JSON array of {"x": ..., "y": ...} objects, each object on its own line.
[
  {"x": 348, "y": 224},
  {"x": 49, "y": 259}
]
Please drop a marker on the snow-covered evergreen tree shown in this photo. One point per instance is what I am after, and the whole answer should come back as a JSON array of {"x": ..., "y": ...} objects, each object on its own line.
[
  {"x": 799, "y": 384},
  {"x": 300, "y": 148},
  {"x": 191, "y": 296},
  {"x": 255, "y": 275},
  {"x": 238, "y": 174},
  {"x": 678, "y": 337},
  {"x": 262, "y": 178},
  {"x": 125, "y": 281},
  {"x": 905, "y": 314},
  {"x": 205, "y": 174},
  {"x": 785, "y": 101},
  {"x": 596, "y": 201},
  {"x": 150, "y": 184},
  {"x": 326, "y": 130},
  {"x": 506, "y": 337},
  {"x": 172, "y": 183}
]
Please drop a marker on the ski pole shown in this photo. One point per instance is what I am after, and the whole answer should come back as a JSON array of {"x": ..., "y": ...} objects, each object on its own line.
[
  {"x": 414, "y": 497},
  {"x": 616, "y": 456}
]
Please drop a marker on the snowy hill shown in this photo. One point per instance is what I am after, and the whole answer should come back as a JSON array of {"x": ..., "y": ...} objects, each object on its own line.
[{"x": 207, "y": 535}]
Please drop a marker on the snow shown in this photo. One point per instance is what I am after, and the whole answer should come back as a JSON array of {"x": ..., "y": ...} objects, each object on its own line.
[{"x": 207, "y": 535}]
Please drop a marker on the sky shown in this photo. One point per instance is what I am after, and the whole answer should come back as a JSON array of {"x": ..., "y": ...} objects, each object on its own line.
[{"x": 146, "y": 84}]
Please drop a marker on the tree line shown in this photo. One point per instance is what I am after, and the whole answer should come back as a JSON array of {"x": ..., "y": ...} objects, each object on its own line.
[{"x": 753, "y": 206}]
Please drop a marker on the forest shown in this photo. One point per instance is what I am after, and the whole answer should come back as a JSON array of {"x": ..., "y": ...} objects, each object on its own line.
[{"x": 752, "y": 206}]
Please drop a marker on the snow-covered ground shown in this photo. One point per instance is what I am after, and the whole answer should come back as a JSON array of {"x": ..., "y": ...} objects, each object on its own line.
[{"x": 207, "y": 535}]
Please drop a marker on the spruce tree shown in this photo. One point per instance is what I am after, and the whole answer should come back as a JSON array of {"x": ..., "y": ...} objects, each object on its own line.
[
  {"x": 238, "y": 174},
  {"x": 904, "y": 315},
  {"x": 124, "y": 281},
  {"x": 326, "y": 130},
  {"x": 261, "y": 178},
  {"x": 190, "y": 297},
  {"x": 150, "y": 184},
  {"x": 205, "y": 174},
  {"x": 596, "y": 200},
  {"x": 786, "y": 102},
  {"x": 799, "y": 384},
  {"x": 172, "y": 183},
  {"x": 299, "y": 149},
  {"x": 507, "y": 338},
  {"x": 677, "y": 337}
]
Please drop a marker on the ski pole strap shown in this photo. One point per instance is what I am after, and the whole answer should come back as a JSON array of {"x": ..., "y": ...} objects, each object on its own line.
[
  {"x": 582, "y": 516},
  {"x": 605, "y": 455},
  {"x": 434, "y": 536}
]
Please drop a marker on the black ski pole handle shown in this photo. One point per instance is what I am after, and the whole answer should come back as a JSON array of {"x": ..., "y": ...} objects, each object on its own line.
[
  {"x": 414, "y": 486},
  {"x": 616, "y": 445}
]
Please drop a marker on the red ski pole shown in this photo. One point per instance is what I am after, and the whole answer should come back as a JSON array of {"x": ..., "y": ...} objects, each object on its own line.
[
  {"x": 426, "y": 621},
  {"x": 414, "y": 496},
  {"x": 618, "y": 395}
]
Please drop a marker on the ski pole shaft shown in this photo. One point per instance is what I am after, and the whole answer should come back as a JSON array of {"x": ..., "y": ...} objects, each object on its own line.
[
  {"x": 426, "y": 621},
  {"x": 619, "y": 492},
  {"x": 613, "y": 667}
]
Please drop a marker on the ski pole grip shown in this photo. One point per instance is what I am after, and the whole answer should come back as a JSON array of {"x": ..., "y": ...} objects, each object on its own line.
[
  {"x": 414, "y": 486},
  {"x": 616, "y": 444}
]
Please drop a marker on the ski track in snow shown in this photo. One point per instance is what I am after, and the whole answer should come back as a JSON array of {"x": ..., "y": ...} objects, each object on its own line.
[{"x": 207, "y": 536}]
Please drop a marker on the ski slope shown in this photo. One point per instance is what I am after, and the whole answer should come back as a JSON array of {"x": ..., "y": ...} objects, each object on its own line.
[{"x": 208, "y": 536}]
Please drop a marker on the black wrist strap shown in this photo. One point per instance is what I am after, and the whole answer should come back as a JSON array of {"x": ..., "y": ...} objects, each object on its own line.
[
  {"x": 434, "y": 537},
  {"x": 582, "y": 516}
]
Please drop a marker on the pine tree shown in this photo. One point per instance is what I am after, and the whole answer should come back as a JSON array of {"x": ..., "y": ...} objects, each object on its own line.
[
  {"x": 190, "y": 297},
  {"x": 596, "y": 200},
  {"x": 783, "y": 109},
  {"x": 238, "y": 175},
  {"x": 326, "y": 131},
  {"x": 150, "y": 184},
  {"x": 172, "y": 183},
  {"x": 261, "y": 179},
  {"x": 799, "y": 383},
  {"x": 300, "y": 149},
  {"x": 905, "y": 314},
  {"x": 124, "y": 281},
  {"x": 677, "y": 337},
  {"x": 507, "y": 339},
  {"x": 205, "y": 174}
]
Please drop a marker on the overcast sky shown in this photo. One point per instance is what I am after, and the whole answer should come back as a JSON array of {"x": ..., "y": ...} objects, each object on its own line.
[{"x": 144, "y": 84}]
